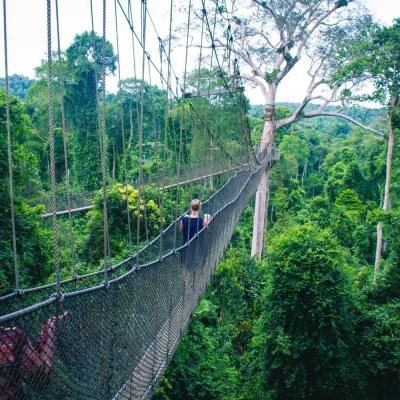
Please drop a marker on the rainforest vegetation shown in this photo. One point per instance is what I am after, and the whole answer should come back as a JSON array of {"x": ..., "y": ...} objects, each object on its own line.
[{"x": 310, "y": 319}]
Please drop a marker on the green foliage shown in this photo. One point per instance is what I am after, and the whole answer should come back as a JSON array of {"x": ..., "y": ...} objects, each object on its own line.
[
  {"x": 144, "y": 213},
  {"x": 33, "y": 241},
  {"x": 380, "y": 344},
  {"x": 202, "y": 350},
  {"x": 308, "y": 317},
  {"x": 84, "y": 59},
  {"x": 375, "y": 55},
  {"x": 18, "y": 85}
]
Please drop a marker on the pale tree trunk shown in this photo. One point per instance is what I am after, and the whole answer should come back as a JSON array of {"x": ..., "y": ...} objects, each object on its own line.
[
  {"x": 266, "y": 209},
  {"x": 386, "y": 198},
  {"x": 259, "y": 217},
  {"x": 304, "y": 174},
  {"x": 114, "y": 161},
  {"x": 262, "y": 195}
]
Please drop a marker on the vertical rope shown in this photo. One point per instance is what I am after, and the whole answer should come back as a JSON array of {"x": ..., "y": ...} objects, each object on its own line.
[
  {"x": 124, "y": 153},
  {"x": 9, "y": 154},
  {"x": 140, "y": 143},
  {"x": 63, "y": 124},
  {"x": 203, "y": 13},
  {"x": 96, "y": 78},
  {"x": 65, "y": 142},
  {"x": 130, "y": 20},
  {"x": 237, "y": 77},
  {"x": 141, "y": 123},
  {"x": 182, "y": 120},
  {"x": 103, "y": 146},
  {"x": 52, "y": 157}
]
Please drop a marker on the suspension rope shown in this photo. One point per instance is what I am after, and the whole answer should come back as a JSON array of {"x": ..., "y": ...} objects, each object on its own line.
[
  {"x": 130, "y": 15},
  {"x": 162, "y": 77},
  {"x": 159, "y": 185},
  {"x": 9, "y": 154},
  {"x": 213, "y": 46},
  {"x": 186, "y": 60},
  {"x": 203, "y": 12},
  {"x": 96, "y": 78},
  {"x": 237, "y": 76},
  {"x": 124, "y": 153},
  {"x": 209, "y": 82},
  {"x": 140, "y": 127},
  {"x": 103, "y": 146},
  {"x": 65, "y": 141},
  {"x": 187, "y": 45},
  {"x": 52, "y": 157},
  {"x": 231, "y": 44}
]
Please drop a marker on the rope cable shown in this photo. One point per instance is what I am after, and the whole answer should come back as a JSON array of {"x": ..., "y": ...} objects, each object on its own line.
[
  {"x": 212, "y": 38},
  {"x": 55, "y": 234},
  {"x": 9, "y": 154},
  {"x": 96, "y": 78},
  {"x": 103, "y": 146},
  {"x": 65, "y": 140},
  {"x": 140, "y": 128},
  {"x": 238, "y": 76},
  {"x": 124, "y": 153},
  {"x": 191, "y": 107},
  {"x": 156, "y": 136}
]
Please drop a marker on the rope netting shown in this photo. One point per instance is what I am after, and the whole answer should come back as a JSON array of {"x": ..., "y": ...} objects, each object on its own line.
[
  {"x": 166, "y": 180},
  {"x": 159, "y": 246},
  {"x": 114, "y": 340}
]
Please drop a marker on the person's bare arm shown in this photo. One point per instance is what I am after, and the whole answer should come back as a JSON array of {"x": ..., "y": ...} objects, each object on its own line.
[
  {"x": 40, "y": 361},
  {"x": 181, "y": 226},
  {"x": 206, "y": 220},
  {"x": 31, "y": 362}
]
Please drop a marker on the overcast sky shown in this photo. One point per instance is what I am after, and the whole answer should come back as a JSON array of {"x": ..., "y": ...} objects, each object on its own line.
[{"x": 27, "y": 36}]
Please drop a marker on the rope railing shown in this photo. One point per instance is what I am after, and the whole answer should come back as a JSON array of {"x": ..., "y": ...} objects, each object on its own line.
[
  {"x": 148, "y": 253},
  {"x": 118, "y": 338},
  {"x": 195, "y": 172}
]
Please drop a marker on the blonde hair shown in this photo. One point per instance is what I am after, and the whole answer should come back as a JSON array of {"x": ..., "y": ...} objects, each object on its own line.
[{"x": 195, "y": 204}]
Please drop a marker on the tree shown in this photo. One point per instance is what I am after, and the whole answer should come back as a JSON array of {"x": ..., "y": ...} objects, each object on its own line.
[
  {"x": 18, "y": 85},
  {"x": 33, "y": 241},
  {"x": 84, "y": 59},
  {"x": 304, "y": 337},
  {"x": 377, "y": 57},
  {"x": 270, "y": 38},
  {"x": 144, "y": 214}
]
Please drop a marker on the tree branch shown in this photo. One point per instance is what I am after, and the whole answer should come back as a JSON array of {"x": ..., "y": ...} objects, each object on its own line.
[
  {"x": 321, "y": 113},
  {"x": 259, "y": 83}
]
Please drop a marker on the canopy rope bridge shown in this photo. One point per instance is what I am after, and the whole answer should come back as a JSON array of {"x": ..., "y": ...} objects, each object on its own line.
[{"x": 124, "y": 322}]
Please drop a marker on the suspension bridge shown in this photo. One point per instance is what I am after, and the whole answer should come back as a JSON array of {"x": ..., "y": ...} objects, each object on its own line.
[{"x": 124, "y": 321}]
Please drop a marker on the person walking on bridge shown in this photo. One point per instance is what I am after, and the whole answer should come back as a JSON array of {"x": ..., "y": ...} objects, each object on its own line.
[{"x": 192, "y": 223}]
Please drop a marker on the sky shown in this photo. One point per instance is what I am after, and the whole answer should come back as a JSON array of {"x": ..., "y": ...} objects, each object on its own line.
[{"x": 26, "y": 20}]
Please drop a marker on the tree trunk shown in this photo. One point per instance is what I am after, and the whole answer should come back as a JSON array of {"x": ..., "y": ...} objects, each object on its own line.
[
  {"x": 261, "y": 195},
  {"x": 114, "y": 161},
  {"x": 386, "y": 198},
  {"x": 259, "y": 218},
  {"x": 304, "y": 174},
  {"x": 266, "y": 211},
  {"x": 130, "y": 128}
]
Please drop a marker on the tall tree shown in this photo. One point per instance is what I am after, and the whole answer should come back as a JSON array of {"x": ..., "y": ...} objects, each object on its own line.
[
  {"x": 377, "y": 57},
  {"x": 84, "y": 60},
  {"x": 304, "y": 337},
  {"x": 33, "y": 241},
  {"x": 269, "y": 38}
]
